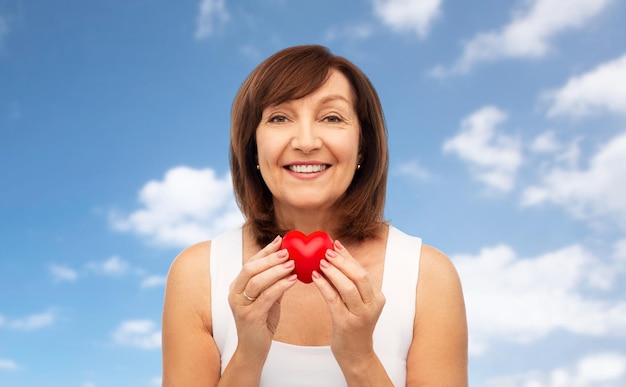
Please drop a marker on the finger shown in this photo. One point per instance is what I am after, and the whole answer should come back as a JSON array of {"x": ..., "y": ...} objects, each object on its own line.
[
  {"x": 345, "y": 287},
  {"x": 274, "y": 292},
  {"x": 351, "y": 268},
  {"x": 269, "y": 256},
  {"x": 334, "y": 301},
  {"x": 271, "y": 247},
  {"x": 256, "y": 267},
  {"x": 258, "y": 283}
]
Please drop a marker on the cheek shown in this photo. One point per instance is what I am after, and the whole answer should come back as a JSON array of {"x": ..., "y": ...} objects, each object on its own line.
[
  {"x": 264, "y": 147},
  {"x": 269, "y": 151},
  {"x": 350, "y": 149}
]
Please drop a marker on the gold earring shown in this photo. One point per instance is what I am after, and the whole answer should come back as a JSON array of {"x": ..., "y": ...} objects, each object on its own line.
[{"x": 358, "y": 166}]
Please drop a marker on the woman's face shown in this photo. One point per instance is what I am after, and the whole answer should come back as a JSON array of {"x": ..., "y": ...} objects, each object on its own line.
[{"x": 308, "y": 149}]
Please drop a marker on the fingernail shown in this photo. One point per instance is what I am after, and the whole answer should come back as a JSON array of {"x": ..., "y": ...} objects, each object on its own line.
[
  {"x": 282, "y": 253},
  {"x": 338, "y": 245},
  {"x": 331, "y": 253},
  {"x": 324, "y": 263},
  {"x": 289, "y": 264},
  {"x": 315, "y": 274},
  {"x": 292, "y": 278},
  {"x": 276, "y": 239}
]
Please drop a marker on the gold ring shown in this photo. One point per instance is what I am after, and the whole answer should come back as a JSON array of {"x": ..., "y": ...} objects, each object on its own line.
[{"x": 248, "y": 297}]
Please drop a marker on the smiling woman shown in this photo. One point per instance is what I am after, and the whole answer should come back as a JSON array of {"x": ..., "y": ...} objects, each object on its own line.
[
  {"x": 308, "y": 157},
  {"x": 282, "y": 82},
  {"x": 309, "y": 152}
]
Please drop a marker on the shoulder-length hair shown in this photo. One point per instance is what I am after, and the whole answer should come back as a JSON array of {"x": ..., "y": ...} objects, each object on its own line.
[{"x": 291, "y": 74}]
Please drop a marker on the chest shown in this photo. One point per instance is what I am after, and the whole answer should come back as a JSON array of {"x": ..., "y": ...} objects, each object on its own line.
[
  {"x": 305, "y": 319},
  {"x": 304, "y": 316}
]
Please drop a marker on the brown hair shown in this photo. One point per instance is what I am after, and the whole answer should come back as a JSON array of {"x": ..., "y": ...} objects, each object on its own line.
[{"x": 291, "y": 74}]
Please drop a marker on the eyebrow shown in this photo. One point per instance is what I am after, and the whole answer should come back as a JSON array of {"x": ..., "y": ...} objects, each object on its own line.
[
  {"x": 326, "y": 99},
  {"x": 333, "y": 97}
]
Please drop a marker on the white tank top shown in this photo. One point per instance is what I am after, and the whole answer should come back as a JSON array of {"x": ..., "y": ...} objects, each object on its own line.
[{"x": 294, "y": 365}]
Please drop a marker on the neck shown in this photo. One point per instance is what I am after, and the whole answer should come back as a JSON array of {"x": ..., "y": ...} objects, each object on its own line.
[{"x": 306, "y": 220}]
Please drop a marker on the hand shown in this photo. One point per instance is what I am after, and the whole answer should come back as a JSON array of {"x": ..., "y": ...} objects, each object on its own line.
[
  {"x": 255, "y": 296},
  {"x": 354, "y": 304}
]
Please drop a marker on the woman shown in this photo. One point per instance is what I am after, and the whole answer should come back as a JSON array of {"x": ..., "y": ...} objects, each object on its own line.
[{"x": 309, "y": 152}]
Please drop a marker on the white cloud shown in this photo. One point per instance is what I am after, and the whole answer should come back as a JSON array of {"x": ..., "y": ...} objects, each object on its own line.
[
  {"x": 29, "y": 323},
  {"x": 213, "y": 14},
  {"x": 493, "y": 157},
  {"x": 8, "y": 365},
  {"x": 408, "y": 15},
  {"x": 620, "y": 250},
  {"x": 353, "y": 32},
  {"x": 606, "y": 369},
  {"x": 156, "y": 381},
  {"x": 601, "y": 89},
  {"x": 153, "y": 281},
  {"x": 597, "y": 191},
  {"x": 62, "y": 273},
  {"x": 114, "y": 267},
  {"x": 141, "y": 334},
  {"x": 412, "y": 169},
  {"x": 251, "y": 52},
  {"x": 187, "y": 206},
  {"x": 89, "y": 384},
  {"x": 545, "y": 143},
  {"x": 522, "y": 300},
  {"x": 529, "y": 33},
  {"x": 554, "y": 152}
]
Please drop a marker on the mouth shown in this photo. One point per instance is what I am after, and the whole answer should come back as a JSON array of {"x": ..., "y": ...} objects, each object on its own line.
[{"x": 309, "y": 168}]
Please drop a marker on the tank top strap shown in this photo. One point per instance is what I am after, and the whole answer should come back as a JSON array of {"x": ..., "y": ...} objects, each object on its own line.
[{"x": 394, "y": 330}]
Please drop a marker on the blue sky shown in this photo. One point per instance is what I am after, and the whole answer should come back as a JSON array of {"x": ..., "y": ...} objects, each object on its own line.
[{"x": 508, "y": 152}]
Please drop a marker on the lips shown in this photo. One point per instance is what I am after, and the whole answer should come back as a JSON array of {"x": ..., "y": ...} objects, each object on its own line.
[{"x": 308, "y": 168}]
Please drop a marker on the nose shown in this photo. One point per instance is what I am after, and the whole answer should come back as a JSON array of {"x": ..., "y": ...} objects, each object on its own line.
[{"x": 305, "y": 138}]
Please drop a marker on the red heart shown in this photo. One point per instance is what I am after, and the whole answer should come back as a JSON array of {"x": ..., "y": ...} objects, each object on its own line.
[{"x": 306, "y": 251}]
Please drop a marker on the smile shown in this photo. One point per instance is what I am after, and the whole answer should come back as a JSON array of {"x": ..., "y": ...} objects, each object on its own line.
[{"x": 307, "y": 168}]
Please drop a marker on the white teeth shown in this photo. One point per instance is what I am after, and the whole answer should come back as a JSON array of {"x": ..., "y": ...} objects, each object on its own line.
[{"x": 307, "y": 168}]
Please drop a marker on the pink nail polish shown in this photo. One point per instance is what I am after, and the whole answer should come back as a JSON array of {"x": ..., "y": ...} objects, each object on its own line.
[
  {"x": 282, "y": 253},
  {"x": 331, "y": 253},
  {"x": 324, "y": 263},
  {"x": 338, "y": 245}
]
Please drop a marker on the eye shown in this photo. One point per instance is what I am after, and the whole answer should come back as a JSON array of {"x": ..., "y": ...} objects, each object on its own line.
[
  {"x": 333, "y": 118},
  {"x": 278, "y": 119}
]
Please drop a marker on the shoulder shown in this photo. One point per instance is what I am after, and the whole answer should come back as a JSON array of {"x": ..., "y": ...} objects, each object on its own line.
[
  {"x": 438, "y": 279},
  {"x": 189, "y": 354},
  {"x": 190, "y": 262},
  {"x": 438, "y": 354},
  {"x": 434, "y": 263},
  {"x": 436, "y": 270},
  {"x": 188, "y": 285},
  {"x": 439, "y": 299}
]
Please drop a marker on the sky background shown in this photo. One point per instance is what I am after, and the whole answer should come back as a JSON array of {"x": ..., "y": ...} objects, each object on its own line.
[{"x": 507, "y": 133}]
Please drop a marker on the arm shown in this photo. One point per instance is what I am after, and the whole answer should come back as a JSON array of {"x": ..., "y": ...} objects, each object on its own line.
[
  {"x": 438, "y": 353},
  {"x": 190, "y": 356}
]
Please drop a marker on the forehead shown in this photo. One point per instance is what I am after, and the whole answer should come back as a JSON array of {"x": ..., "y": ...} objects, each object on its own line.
[
  {"x": 337, "y": 84},
  {"x": 336, "y": 87}
]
